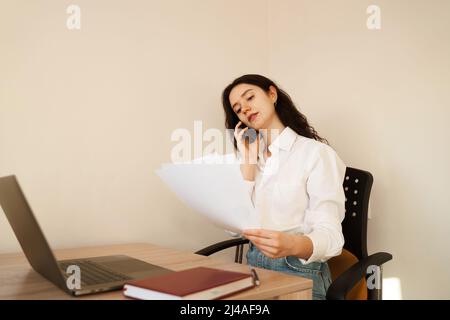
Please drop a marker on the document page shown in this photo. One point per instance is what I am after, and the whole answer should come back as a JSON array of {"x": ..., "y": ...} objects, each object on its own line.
[{"x": 214, "y": 187}]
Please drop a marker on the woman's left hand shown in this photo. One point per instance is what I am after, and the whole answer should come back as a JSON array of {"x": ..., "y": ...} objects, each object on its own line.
[{"x": 273, "y": 244}]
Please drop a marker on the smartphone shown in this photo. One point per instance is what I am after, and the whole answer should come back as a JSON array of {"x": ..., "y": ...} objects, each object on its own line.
[{"x": 250, "y": 134}]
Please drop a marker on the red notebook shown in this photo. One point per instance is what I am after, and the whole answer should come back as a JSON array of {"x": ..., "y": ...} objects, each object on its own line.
[{"x": 193, "y": 284}]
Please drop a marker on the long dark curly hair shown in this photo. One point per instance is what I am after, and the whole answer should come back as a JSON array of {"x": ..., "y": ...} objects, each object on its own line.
[{"x": 288, "y": 114}]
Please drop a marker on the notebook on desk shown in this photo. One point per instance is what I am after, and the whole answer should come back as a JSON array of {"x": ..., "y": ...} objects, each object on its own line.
[{"x": 199, "y": 283}]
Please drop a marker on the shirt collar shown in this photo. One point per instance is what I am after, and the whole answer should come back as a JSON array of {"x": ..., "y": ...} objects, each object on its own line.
[{"x": 284, "y": 141}]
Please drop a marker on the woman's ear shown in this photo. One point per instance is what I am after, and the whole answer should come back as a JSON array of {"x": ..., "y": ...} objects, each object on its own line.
[{"x": 273, "y": 93}]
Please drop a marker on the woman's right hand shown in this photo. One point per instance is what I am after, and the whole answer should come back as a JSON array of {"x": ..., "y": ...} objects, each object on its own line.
[{"x": 249, "y": 152}]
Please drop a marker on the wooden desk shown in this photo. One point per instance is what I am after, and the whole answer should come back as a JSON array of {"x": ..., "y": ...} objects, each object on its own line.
[{"x": 19, "y": 281}]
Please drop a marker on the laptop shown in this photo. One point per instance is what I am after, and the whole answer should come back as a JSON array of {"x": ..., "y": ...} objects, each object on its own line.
[{"x": 77, "y": 276}]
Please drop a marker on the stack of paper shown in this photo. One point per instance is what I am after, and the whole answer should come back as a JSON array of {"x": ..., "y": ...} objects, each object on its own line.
[{"x": 214, "y": 187}]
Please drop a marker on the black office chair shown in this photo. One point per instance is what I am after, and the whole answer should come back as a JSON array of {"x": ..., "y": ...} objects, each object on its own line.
[{"x": 348, "y": 270}]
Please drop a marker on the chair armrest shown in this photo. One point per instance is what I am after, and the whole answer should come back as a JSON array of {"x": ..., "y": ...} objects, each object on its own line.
[
  {"x": 342, "y": 285},
  {"x": 221, "y": 246}
]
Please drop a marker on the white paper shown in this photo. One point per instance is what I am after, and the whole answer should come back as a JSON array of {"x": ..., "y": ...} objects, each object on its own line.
[{"x": 213, "y": 186}]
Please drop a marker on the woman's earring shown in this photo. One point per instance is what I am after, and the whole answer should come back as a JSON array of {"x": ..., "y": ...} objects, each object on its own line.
[{"x": 275, "y": 104}]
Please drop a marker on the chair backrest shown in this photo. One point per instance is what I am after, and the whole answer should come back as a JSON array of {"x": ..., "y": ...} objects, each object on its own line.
[{"x": 357, "y": 186}]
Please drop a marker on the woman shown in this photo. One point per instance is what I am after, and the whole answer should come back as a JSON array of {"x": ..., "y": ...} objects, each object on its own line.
[{"x": 294, "y": 180}]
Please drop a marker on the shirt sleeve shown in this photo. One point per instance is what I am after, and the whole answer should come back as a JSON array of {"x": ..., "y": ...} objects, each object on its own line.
[
  {"x": 250, "y": 185},
  {"x": 326, "y": 209}
]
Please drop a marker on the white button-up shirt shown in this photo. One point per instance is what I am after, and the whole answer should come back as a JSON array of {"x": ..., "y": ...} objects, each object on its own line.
[{"x": 299, "y": 188}]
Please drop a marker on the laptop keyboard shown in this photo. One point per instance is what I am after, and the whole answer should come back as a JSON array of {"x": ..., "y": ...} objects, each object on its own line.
[{"x": 93, "y": 273}]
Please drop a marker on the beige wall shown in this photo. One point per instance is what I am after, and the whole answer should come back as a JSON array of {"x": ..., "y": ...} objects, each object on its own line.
[
  {"x": 86, "y": 116},
  {"x": 382, "y": 99}
]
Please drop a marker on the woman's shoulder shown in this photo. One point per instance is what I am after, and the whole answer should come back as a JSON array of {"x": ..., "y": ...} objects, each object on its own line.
[
  {"x": 313, "y": 146},
  {"x": 315, "y": 150}
]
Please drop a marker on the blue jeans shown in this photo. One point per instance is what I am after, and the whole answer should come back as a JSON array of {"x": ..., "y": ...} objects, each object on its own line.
[{"x": 318, "y": 272}]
